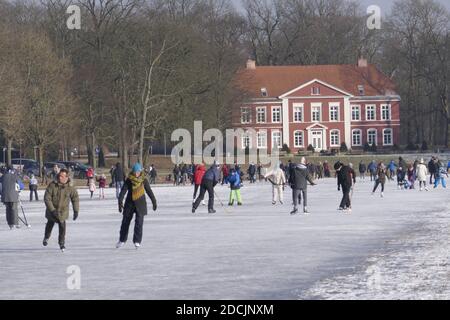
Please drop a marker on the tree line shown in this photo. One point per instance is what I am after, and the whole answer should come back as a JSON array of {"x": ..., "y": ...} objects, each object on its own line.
[{"x": 138, "y": 69}]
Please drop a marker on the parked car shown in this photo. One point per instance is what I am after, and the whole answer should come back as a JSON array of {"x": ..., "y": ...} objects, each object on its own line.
[
  {"x": 49, "y": 166},
  {"x": 31, "y": 168},
  {"x": 79, "y": 169},
  {"x": 19, "y": 164}
]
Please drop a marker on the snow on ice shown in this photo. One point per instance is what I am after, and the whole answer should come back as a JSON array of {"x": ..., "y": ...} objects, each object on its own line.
[{"x": 390, "y": 248}]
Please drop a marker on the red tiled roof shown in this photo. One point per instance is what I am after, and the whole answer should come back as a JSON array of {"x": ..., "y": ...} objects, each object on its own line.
[{"x": 280, "y": 80}]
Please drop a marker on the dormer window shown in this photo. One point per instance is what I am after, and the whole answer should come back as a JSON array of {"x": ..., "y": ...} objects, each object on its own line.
[
  {"x": 264, "y": 92},
  {"x": 315, "y": 91},
  {"x": 361, "y": 90}
]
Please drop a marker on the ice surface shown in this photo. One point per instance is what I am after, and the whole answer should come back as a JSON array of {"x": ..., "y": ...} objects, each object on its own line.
[{"x": 394, "y": 248}]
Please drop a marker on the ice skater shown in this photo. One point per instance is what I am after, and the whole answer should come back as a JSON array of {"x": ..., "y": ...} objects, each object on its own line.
[
  {"x": 234, "y": 180},
  {"x": 299, "y": 183},
  {"x": 57, "y": 197},
  {"x": 198, "y": 177},
  {"x": 441, "y": 173},
  {"x": 10, "y": 197},
  {"x": 278, "y": 179},
  {"x": 344, "y": 181},
  {"x": 135, "y": 187},
  {"x": 381, "y": 179},
  {"x": 209, "y": 181},
  {"x": 101, "y": 186},
  {"x": 33, "y": 188},
  {"x": 91, "y": 185},
  {"x": 421, "y": 173}
]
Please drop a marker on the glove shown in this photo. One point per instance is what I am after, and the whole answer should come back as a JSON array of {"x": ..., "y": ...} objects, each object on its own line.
[
  {"x": 55, "y": 215},
  {"x": 155, "y": 206},
  {"x": 75, "y": 215},
  {"x": 120, "y": 207}
]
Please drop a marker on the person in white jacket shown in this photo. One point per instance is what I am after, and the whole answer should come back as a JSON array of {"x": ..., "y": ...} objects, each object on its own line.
[
  {"x": 278, "y": 179},
  {"x": 421, "y": 174}
]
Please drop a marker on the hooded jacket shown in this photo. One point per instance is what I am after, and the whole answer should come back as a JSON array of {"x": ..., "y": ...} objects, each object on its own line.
[{"x": 57, "y": 197}]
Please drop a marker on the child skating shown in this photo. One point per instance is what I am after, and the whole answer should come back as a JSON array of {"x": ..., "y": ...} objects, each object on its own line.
[{"x": 235, "y": 185}]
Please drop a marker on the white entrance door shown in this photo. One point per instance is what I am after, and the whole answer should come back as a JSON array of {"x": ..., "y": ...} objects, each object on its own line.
[{"x": 317, "y": 140}]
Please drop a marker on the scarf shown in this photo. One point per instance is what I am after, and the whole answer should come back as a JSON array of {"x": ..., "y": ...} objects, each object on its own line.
[{"x": 137, "y": 186}]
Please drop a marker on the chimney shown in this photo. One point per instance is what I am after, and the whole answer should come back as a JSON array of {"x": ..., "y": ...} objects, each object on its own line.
[
  {"x": 251, "y": 64},
  {"x": 362, "y": 62}
]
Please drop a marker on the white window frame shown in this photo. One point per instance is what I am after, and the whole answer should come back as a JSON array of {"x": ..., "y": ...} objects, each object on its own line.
[
  {"x": 389, "y": 109},
  {"x": 376, "y": 136},
  {"x": 360, "y": 138},
  {"x": 274, "y": 108},
  {"x": 314, "y": 106},
  {"x": 392, "y": 137},
  {"x": 370, "y": 106},
  {"x": 336, "y": 105},
  {"x": 339, "y": 138},
  {"x": 258, "y": 139},
  {"x": 300, "y": 106},
  {"x": 258, "y": 109},
  {"x": 248, "y": 110},
  {"x": 356, "y": 106},
  {"x": 302, "y": 133},
  {"x": 281, "y": 138},
  {"x": 244, "y": 137}
]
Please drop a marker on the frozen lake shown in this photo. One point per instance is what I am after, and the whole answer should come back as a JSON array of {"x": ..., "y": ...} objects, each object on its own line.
[{"x": 395, "y": 248}]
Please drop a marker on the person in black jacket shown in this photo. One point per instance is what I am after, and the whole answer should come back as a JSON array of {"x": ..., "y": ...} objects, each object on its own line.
[
  {"x": 432, "y": 169},
  {"x": 209, "y": 181},
  {"x": 345, "y": 181},
  {"x": 136, "y": 186},
  {"x": 299, "y": 183},
  {"x": 119, "y": 178}
]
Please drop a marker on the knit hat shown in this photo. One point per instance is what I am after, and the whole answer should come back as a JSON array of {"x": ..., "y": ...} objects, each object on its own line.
[{"x": 137, "y": 168}]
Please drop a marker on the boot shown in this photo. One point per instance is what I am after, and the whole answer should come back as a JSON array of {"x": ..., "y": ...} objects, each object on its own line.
[
  {"x": 45, "y": 242},
  {"x": 211, "y": 211}
]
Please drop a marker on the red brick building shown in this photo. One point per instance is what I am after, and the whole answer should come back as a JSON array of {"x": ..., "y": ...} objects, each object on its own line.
[{"x": 322, "y": 106}]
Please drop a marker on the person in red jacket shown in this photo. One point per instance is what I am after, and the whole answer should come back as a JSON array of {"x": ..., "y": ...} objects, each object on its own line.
[
  {"x": 101, "y": 186},
  {"x": 198, "y": 177},
  {"x": 225, "y": 174}
]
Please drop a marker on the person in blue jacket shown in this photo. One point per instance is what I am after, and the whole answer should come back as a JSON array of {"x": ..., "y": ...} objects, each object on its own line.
[
  {"x": 235, "y": 185},
  {"x": 392, "y": 170}
]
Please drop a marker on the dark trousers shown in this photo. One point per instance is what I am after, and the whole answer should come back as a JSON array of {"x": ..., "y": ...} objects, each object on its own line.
[
  {"x": 345, "y": 203},
  {"x": 12, "y": 213},
  {"x": 138, "y": 225},
  {"x": 62, "y": 230},
  {"x": 377, "y": 183},
  {"x": 432, "y": 175},
  {"x": 207, "y": 185},
  {"x": 33, "y": 190},
  {"x": 297, "y": 198},
  {"x": 196, "y": 187}
]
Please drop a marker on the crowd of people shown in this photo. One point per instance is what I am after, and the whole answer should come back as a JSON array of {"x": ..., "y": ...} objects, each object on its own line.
[{"x": 132, "y": 188}]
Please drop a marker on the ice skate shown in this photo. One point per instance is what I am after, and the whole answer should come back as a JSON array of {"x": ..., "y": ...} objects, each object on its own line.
[{"x": 120, "y": 244}]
